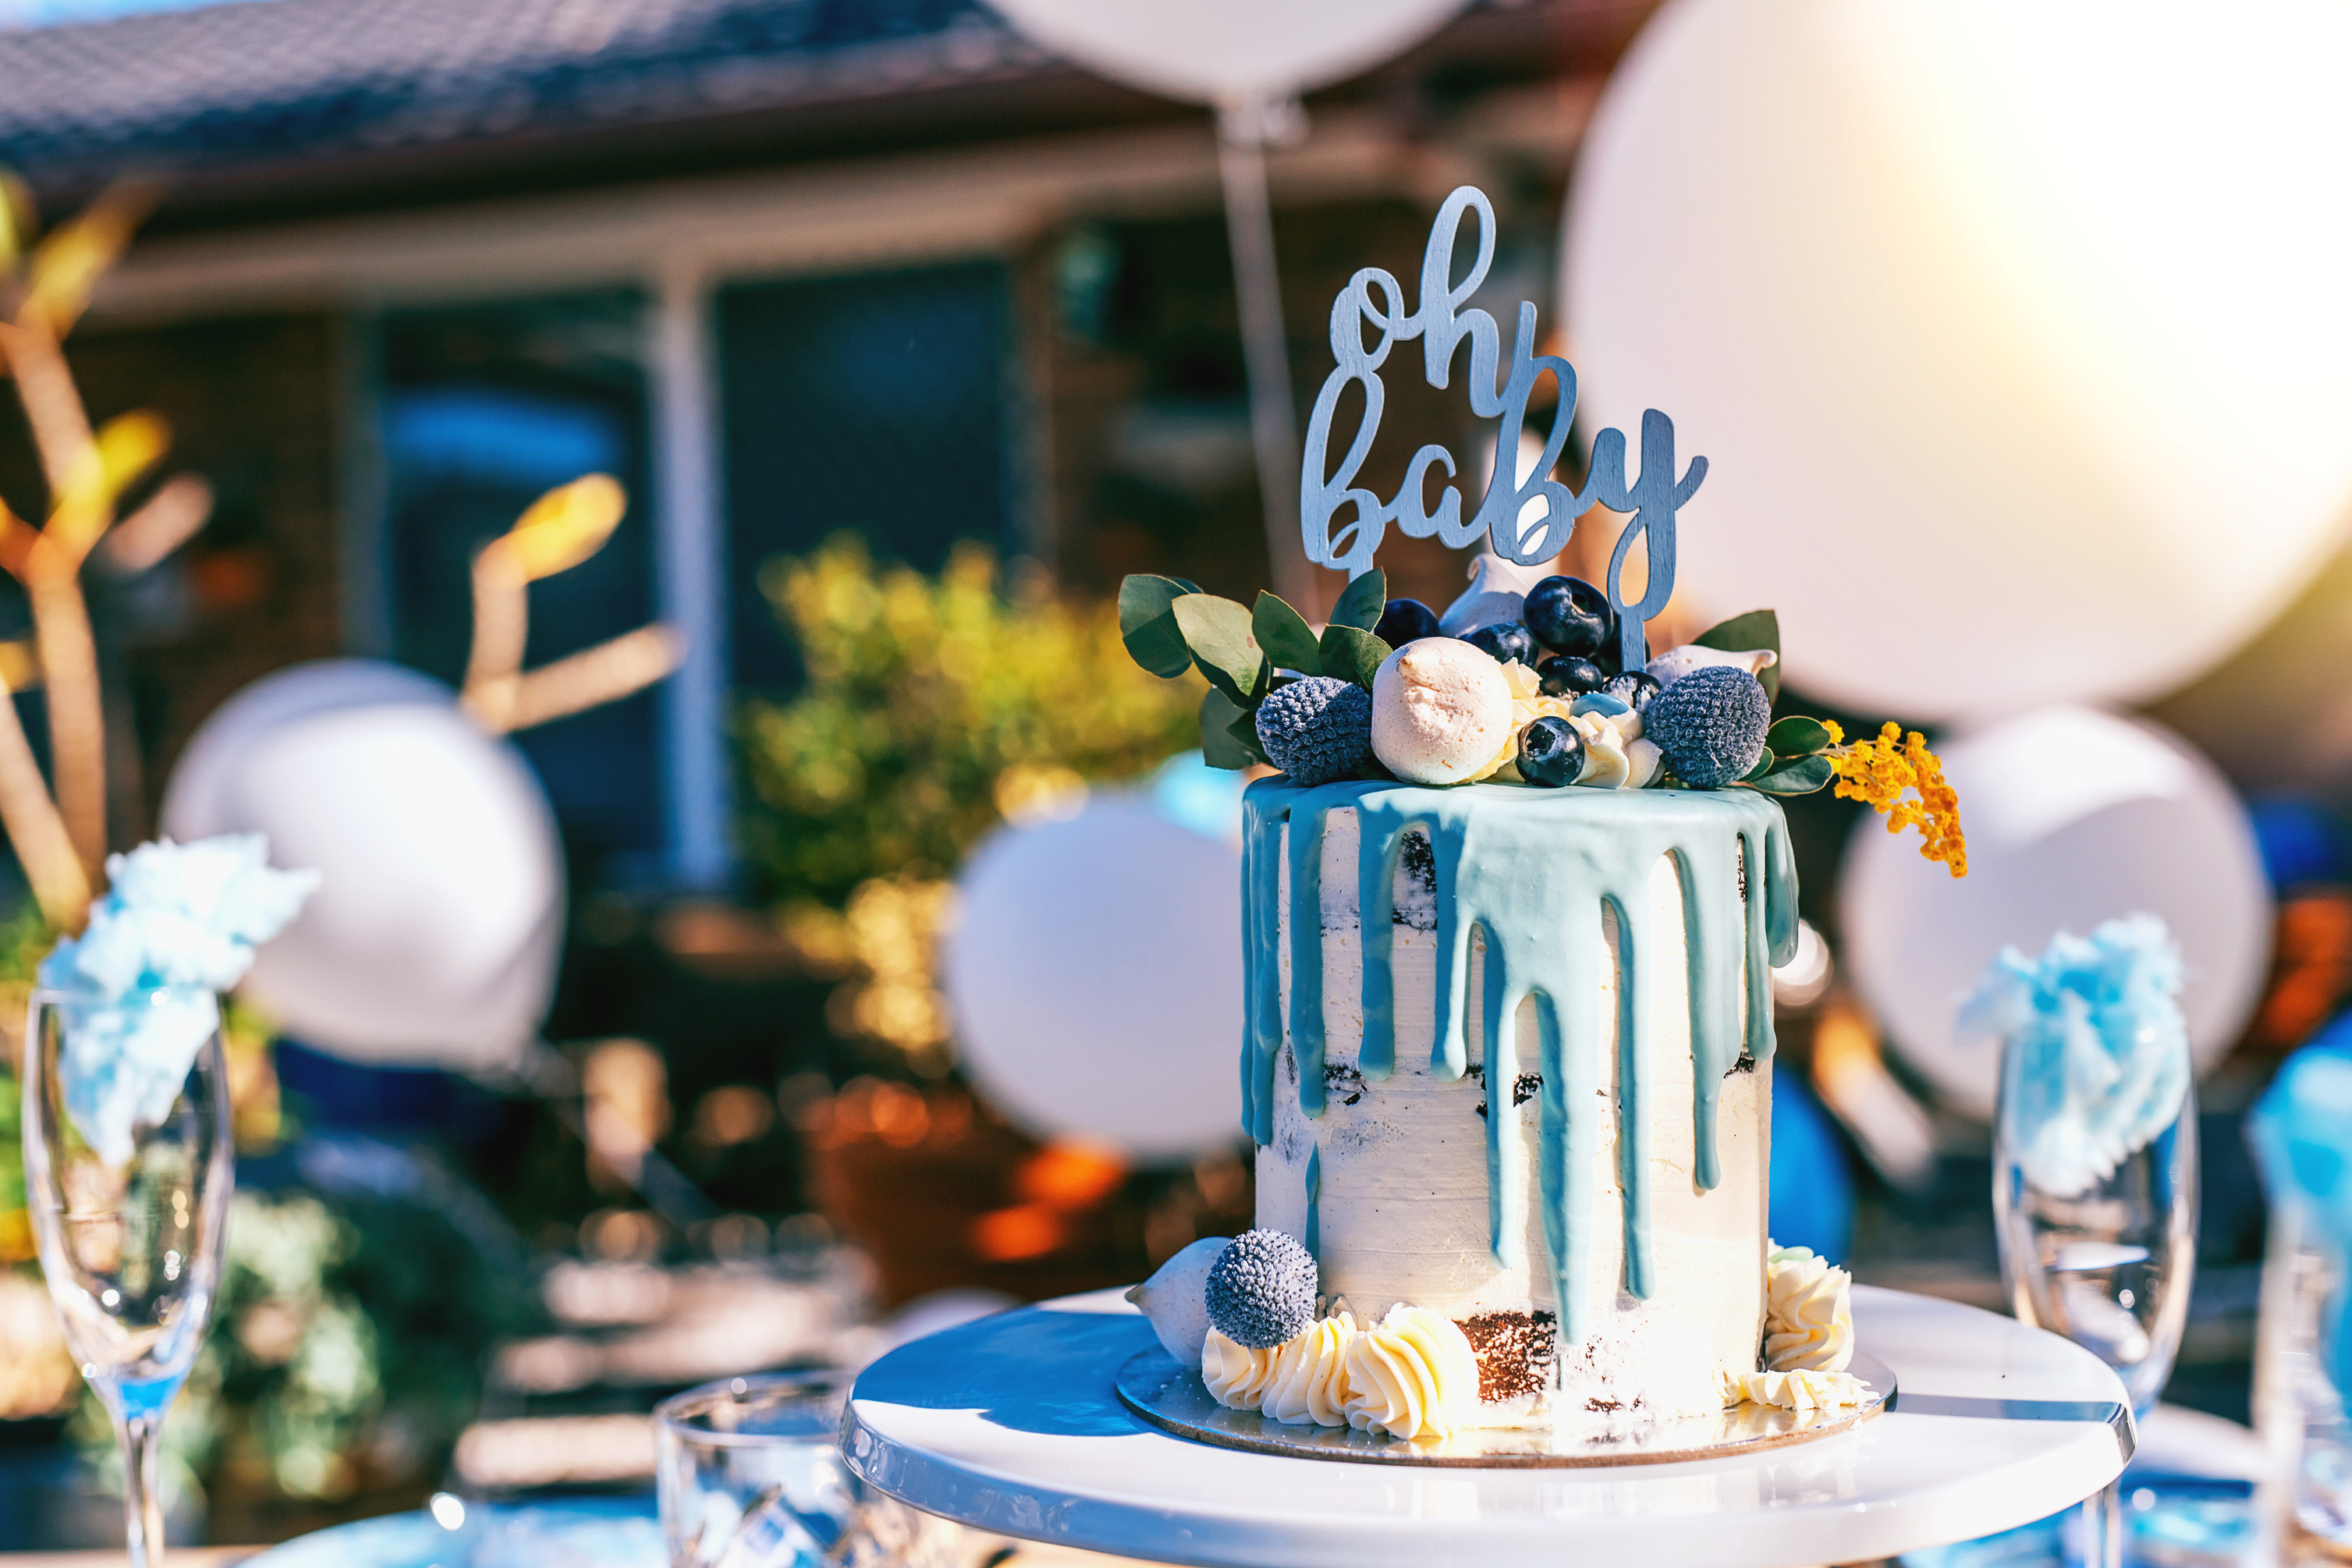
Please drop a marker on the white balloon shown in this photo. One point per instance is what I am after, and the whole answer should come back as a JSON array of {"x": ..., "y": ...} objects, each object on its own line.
[
  {"x": 434, "y": 936},
  {"x": 1094, "y": 974},
  {"x": 2074, "y": 817},
  {"x": 1218, "y": 51},
  {"x": 2015, "y": 332}
]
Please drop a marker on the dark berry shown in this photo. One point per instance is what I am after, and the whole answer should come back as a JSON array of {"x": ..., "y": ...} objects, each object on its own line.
[
  {"x": 1710, "y": 724},
  {"x": 1569, "y": 614},
  {"x": 1505, "y": 640},
  {"x": 1318, "y": 730},
  {"x": 1552, "y": 754},
  {"x": 1634, "y": 689},
  {"x": 1404, "y": 621},
  {"x": 1568, "y": 677},
  {"x": 1261, "y": 1290}
]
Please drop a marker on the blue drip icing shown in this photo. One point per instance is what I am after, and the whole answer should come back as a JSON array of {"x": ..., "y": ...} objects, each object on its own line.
[
  {"x": 1532, "y": 870},
  {"x": 1314, "y": 1237}
]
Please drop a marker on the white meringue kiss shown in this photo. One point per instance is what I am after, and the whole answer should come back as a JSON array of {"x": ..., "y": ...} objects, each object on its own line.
[
  {"x": 1497, "y": 594},
  {"x": 1441, "y": 711},
  {"x": 1676, "y": 662}
]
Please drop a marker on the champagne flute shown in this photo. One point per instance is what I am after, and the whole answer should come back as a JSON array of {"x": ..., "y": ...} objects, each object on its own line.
[
  {"x": 129, "y": 1229},
  {"x": 2108, "y": 1266}
]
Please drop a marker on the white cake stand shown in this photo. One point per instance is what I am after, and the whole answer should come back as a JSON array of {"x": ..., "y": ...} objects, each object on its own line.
[{"x": 1010, "y": 1425}]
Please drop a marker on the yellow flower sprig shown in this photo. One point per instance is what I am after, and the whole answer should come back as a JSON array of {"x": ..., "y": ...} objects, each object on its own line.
[{"x": 1903, "y": 781}]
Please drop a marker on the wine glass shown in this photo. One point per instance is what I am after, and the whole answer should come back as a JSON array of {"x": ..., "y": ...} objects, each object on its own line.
[
  {"x": 2109, "y": 1264},
  {"x": 132, "y": 1245}
]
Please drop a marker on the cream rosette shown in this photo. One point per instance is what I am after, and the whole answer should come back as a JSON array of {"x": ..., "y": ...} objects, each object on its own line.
[
  {"x": 1308, "y": 1384},
  {"x": 1236, "y": 1375},
  {"x": 1798, "y": 1390},
  {"x": 1615, "y": 754},
  {"x": 1807, "y": 1312},
  {"x": 1412, "y": 1374}
]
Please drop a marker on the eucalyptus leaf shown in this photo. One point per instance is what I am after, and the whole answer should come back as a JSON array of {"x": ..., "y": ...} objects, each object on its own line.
[
  {"x": 1757, "y": 629},
  {"x": 1148, "y": 626},
  {"x": 1285, "y": 637},
  {"x": 1219, "y": 748},
  {"x": 1361, "y": 605},
  {"x": 1797, "y": 736},
  {"x": 1218, "y": 633},
  {"x": 1353, "y": 654},
  {"x": 1803, "y": 776}
]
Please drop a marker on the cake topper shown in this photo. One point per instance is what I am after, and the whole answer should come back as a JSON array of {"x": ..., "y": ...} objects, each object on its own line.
[{"x": 1374, "y": 300}]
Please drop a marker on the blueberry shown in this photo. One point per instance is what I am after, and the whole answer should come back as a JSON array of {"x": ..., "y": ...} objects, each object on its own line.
[
  {"x": 1404, "y": 621},
  {"x": 1568, "y": 677},
  {"x": 1552, "y": 754},
  {"x": 1569, "y": 614},
  {"x": 1507, "y": 641},
  {"x": 1710, "y": 724},
  {"x": 1261, "y": 1290},
  {"x": 1634, "y": 689}
]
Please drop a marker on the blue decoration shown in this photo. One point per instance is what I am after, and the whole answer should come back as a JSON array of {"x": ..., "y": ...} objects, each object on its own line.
[
  {"x": 2097, "y": 1061},
  {"x": 2301, "y": 1133},
  {"x": 1261, "y": 1290},
  {"x": 1374, "y": 299},
  {"x": 1318, "y": 728},
  {"x": 1710, "y": 724}
]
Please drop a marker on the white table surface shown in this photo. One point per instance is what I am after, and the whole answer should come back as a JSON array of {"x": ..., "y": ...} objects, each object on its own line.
[{"x": 1010, "y": 1423}]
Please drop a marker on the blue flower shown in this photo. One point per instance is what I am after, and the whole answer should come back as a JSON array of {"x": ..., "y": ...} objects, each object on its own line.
[
  {"x": 2097, "y": 1061},
  {"x": 179, "y": 924}
]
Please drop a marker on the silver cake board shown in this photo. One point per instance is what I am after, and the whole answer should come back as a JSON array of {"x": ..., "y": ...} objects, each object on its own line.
[{"x": 1174, "y": 1399}]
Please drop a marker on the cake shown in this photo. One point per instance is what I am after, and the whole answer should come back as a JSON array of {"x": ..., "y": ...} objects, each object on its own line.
[
  {"x": 1511, "y": 897},
  {"x": 1560, "y": 1192}
]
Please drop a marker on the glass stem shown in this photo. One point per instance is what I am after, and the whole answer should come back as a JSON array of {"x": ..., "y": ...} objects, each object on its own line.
[{"x": 143, "y": 1500}]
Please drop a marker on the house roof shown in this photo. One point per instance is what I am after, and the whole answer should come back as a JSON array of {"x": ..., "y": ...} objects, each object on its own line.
[{"x": 263, "y": 81}]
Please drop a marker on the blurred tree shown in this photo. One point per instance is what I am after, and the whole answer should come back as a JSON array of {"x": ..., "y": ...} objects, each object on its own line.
[{"x": 934, "y": 709}]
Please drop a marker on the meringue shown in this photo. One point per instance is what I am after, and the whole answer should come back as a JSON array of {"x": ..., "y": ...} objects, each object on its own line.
[
  {"x": 1174, "y": 1300},
  {"x": 1497, "y": 593},
  {"x": 1676, "y": 662},
  {"x": 1441, "y": 713}
]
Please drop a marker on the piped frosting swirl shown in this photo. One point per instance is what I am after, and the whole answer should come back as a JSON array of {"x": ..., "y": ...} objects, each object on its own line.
[
  {"x": 1309, "y": 1381},
  {"x": 1235, "y": 1374},
  {"x": 1808, "y": 1313},
  {"x": 1798, "y": 1390},
  {"x": 1412, "y": 1374}
]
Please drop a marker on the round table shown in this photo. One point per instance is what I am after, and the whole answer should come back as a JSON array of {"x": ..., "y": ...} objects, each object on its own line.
[{"x": 1010, "y": 1423}]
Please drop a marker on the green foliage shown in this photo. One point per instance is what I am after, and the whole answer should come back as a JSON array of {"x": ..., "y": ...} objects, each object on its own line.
[
  {"x": 1757, "y": 629},
  {"x": 924, "y": 695},
  {"x": 1239, "y": 649}
]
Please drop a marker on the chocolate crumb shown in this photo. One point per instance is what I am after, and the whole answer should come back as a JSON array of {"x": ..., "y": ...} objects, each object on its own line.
[
  {"x": 1481, "y": 1108},
  {"x": 1344, "y": 1082},
  {"x": 1515, "y": 1352},
  {"x": 1604, "y": 1406},
  {"x": 1529, "y": 1086}
]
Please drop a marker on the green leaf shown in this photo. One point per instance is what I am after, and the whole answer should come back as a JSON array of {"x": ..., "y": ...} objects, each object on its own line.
[
  {"x": 1148, "y": 626},
  {"x": 1285, "y": 637},
  {"x": 1218, "y": 633},
  {"x": 1352, "y": 653},
  {"x": 1803, "y": 776},
  {"x": 1796, "y": 736},
  {"x": 1242, "y": 732},
  {"x": 1219, "y": 747},
  {"x": 1764, "y": 764},
  {"x": 1757, "y": 629},
  {"x": 1361, "y": 605}
]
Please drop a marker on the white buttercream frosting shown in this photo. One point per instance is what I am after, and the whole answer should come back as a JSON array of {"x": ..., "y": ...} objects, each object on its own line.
[
  {"x": 1798, "y": 1391},
  {"x": 1412, "y": 1374},
  {"x": 1236, "y": 1375},
  {"x": 1807, "y": 1312},
  {"x": 1309, "y": 1383}
]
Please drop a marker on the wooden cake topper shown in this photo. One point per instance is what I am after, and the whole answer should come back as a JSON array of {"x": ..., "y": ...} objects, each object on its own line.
[{"x": 1342, "y": 524}]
